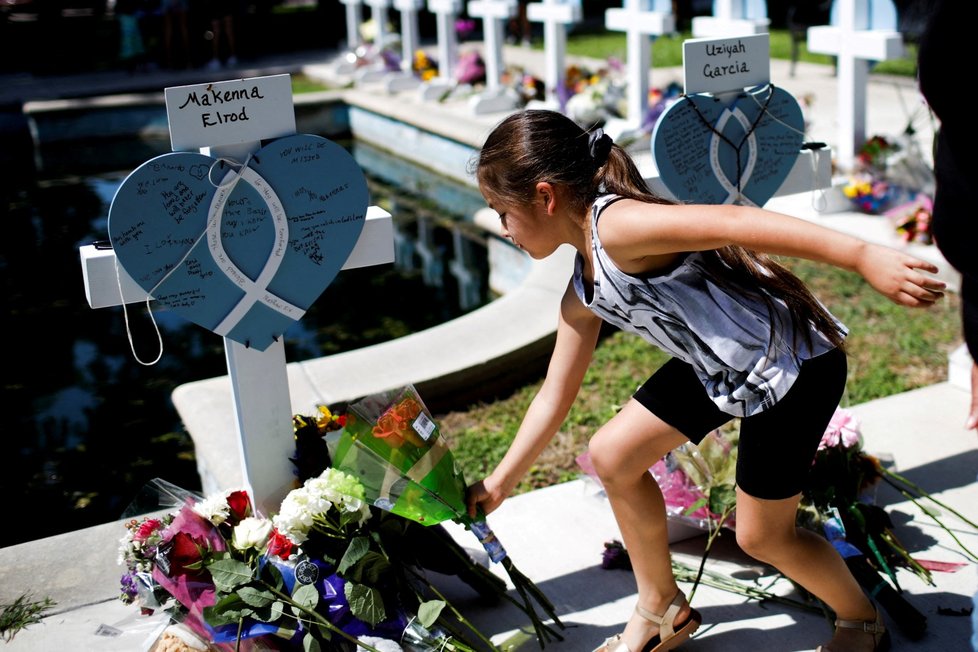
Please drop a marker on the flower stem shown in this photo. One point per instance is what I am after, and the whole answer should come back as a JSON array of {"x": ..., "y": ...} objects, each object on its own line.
[
  {"x": 714, "y": 533},
  {"x": 455, "y": 611},
  {"x": 319, "y": 619}
]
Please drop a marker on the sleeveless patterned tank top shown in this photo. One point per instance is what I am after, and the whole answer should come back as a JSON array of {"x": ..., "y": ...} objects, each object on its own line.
[{"x": 746, "y": 352}]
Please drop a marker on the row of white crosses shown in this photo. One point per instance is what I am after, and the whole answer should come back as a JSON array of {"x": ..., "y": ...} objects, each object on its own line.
[{"x": 855, "y": 41}]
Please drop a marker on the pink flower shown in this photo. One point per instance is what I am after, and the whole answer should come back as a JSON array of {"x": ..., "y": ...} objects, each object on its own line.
[
  {"x": 146, "y": 529},
  {"x": 843, "y": 430}
]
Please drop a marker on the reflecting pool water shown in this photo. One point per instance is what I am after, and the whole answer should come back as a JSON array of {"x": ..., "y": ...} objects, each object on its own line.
[{"x": 86, "y": 424}]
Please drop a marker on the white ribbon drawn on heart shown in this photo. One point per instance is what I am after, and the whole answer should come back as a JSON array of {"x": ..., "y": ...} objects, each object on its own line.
[
  {"x": 733, "y": 192},
  {"x": 256, "y": 291}
]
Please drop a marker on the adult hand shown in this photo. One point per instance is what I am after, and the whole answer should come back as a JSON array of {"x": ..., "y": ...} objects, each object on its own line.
[{"x": 899, "y": 276}]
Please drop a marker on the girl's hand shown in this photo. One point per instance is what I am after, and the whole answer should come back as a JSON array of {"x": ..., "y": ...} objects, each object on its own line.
[
  {"x": 899, "y": 276},
  {"x": 486, "y": 494}
]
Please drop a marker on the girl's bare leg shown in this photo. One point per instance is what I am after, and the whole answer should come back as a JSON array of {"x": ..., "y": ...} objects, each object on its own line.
[
  {"x": 766, "y": 530},
  {"x": 622, "y": 452}
]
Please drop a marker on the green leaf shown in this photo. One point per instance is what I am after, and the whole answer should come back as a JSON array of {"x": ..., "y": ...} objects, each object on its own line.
[
  {"x": 229, "y": 574},
  {"x": 310, "y": 644},
  {"x": 429, "y": 611},
  {"x": 255, "y": 597},
  {"x": 695, "y": 506},
  {"x": 359, "y": 546},
  {"x": 366, "y": 603},
  {"x": 369, "y": 569},
  {"x": 273, "y": 576},
  {"x": 225, "y": 611},
  {"x": 306, "y": 596},
  {"x": 722, "y": 497}
]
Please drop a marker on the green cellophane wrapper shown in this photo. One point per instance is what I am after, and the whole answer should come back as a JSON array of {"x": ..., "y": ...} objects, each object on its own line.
[{"x": 396, "y": 450}]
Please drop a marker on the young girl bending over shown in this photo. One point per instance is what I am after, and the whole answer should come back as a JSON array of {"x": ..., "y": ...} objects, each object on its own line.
[{"x": 747, "y": 338}]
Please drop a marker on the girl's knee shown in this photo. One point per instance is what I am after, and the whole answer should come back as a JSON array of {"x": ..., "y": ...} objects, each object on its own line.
[{"x": 604, "y": 455}]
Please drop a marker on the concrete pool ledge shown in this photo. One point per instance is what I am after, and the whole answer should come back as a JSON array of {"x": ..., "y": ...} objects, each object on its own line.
[{"x": 474, "y": 356}]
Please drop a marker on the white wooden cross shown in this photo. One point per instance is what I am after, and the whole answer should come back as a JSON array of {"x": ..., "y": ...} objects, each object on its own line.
[
  {"x": 640, "y": 19},
  {"x": 259, "y": 383},
  {"x": 354, "y": 18},
  {"x": 378, "y": 13},
  {"x": 446, "y": 12},
  {"x": 410, "y": 39},
  {"x": 377, "y": 71},
  {"x": 733, "y": 18},
  {"x": 555, "y": 15},
  {"x": 493, "y": 13},
  {"x": 855, "y": 45}
]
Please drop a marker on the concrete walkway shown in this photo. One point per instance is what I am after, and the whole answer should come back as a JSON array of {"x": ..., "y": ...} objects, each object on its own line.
[{"x": 556, "y": 535}]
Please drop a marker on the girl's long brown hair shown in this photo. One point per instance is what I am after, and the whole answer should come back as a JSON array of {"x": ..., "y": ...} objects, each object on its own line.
[{"x": 534, "y": 145}]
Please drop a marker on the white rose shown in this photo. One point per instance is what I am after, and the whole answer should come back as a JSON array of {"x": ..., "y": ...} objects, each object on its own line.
[{"x": 251, "y": 532}]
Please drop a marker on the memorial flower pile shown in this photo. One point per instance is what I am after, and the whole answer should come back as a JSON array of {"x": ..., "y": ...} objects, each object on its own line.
[
  {"x": 591, "y": 97},
  {"x": 698, "y": 484},
  {"x": 342, "y": 564},
  {"x": 890, "y": 178}
]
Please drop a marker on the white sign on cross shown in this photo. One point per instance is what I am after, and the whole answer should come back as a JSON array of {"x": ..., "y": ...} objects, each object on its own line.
[
  {"x": 639, "y": 19},
  {"x": 855, "y": 45},
  {"x": 259, "y": 382},
  {"x": 354, "y": 18},
  {"x": 555, "y": 15},
  {"x": 493, "y": 13},
  {"x": 733, "y": 18}
]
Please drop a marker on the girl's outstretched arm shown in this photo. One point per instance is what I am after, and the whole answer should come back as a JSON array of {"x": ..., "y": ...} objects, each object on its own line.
[
  {"x": 633, "y": 232},
  {"x": 577, "y": 335}
]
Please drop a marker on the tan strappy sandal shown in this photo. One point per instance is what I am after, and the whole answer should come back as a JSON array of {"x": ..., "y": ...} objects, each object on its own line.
[
  {"x": 881, "y": 637},
  {"x": 670, "y": 636}
]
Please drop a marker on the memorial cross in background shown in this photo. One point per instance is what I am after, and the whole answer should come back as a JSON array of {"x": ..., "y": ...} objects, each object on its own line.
[
  {"x": 555, "y": 15},
  {"x": 854, "y": 41},
  {"x": 640, "y": 19},
  {"x": 733, "y": 18}
]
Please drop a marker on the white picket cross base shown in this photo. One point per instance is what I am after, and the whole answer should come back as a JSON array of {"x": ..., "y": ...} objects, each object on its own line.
[
  {"x": 729, "y": 19},
  {"x": 638, "y": 24},
  {"x": 493, "y": 13},
  {"x": 855, "y": 46},
  {"x": 259, "y": 382},
  {"x": 555, "y": 15}
]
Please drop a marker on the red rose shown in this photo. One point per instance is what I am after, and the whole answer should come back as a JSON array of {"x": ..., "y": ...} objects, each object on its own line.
[
  {"x": 146, "y": 529},
  {"x": 184, "y": 555},
  {"x": 240, "y": 505},
  {"x": 279, "y": 545}
]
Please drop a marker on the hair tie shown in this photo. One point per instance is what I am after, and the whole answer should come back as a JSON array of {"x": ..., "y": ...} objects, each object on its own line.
[{"x": 599, "y": 146}]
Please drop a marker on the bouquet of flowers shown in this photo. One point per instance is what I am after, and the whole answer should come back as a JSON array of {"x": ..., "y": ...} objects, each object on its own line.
[
  {"x": 393, "y": 445},
  {"x": 316, "y": 574}
]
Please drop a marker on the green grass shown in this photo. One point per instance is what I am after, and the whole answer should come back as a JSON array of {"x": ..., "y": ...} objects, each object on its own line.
[
  {"x": 891, "y": 349},
  {"x": 668, "y": 51},
  {"x": 22, "y": 613}
]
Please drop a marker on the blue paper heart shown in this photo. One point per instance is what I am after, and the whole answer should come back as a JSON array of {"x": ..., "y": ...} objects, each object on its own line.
[
  {"x": 697, "y": 165},
  {"x": 241, "y": 250}
]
